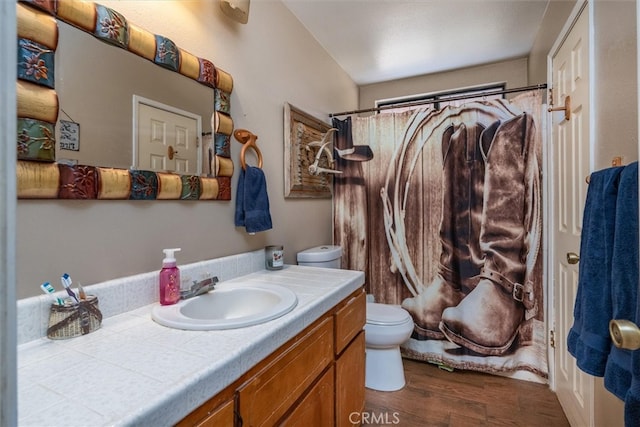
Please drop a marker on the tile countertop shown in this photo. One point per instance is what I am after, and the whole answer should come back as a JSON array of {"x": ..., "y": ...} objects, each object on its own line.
[{"x": 135, "y": 372}]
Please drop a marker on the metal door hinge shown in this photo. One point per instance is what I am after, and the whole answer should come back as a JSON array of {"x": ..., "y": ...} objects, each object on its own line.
[{"x": 552, "y": 338}]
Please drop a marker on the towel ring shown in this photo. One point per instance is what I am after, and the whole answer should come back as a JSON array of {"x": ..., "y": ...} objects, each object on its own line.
[{"x": 248, "y": 139}]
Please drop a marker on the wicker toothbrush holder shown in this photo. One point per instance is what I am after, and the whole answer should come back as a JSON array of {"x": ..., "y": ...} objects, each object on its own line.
[{"x": 72, "y": 320}]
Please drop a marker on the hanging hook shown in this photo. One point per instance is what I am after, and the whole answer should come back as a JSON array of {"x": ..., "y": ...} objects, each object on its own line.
[
  {"x": 248, "y": 139},
  {"x": 566, "y": 108}
]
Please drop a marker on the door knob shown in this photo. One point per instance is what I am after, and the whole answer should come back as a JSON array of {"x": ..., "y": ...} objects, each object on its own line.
[
  {"x": 171, "y": 152},
  {"x": 624, "y": 334},
  {"x": 573, "y": 258}
]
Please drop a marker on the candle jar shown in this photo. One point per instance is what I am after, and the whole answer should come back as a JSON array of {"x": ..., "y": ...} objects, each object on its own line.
[{"x": 274, "y": 257}]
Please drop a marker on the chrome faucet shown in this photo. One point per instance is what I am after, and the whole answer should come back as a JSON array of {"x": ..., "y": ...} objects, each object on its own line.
[{"x": 199, "y": 288}]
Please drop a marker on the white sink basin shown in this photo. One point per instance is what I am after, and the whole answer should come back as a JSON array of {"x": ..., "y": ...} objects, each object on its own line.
[{"x": 228, "y": 306}]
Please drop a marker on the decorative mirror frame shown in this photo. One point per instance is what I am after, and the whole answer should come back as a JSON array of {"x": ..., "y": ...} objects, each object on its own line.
[{"x": 38, "y": 174}]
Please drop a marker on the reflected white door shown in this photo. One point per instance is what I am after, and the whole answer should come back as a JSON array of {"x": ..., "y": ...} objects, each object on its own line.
[
  {"x": 571, "y": 162},
  {"x": 167, "y": 140}
]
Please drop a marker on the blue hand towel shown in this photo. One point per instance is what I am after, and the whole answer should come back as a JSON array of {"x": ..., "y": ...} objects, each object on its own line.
[
  {"x": 624, "y": 277},
  {"x": 588, "y": 339},
  {"x": 252, "y": 201}
]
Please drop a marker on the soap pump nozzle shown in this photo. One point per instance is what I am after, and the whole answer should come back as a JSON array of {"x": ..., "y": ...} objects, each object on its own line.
[{"x": 169, "y": 256}]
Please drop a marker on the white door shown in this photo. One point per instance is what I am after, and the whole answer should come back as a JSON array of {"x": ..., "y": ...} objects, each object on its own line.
[
  {"x": 167, "y": 139},
  {"x": 571, "y": 164}
]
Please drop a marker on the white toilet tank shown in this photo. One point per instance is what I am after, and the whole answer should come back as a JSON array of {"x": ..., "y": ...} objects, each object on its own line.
[{"x": 326, "y": 256}]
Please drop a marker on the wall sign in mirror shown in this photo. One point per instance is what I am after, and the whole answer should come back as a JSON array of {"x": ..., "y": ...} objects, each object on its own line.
[
  {"x": 55, "y": 160},
  {"x": 69, "y": 135}
]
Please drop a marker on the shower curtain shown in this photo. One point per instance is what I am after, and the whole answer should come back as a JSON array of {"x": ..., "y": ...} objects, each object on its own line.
[{"x": 444, "y": 216}]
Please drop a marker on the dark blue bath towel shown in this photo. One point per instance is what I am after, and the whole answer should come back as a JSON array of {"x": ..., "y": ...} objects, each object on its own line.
[
  {"x": 252, "y": 201},
  {"x": 624, "y": 277},
  {"x": 588, "y": 340},
  {"x": 632, "y": 399}
]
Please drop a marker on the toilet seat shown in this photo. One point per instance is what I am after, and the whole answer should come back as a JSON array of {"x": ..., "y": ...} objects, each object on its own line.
[{"x": 386, "y": 315}]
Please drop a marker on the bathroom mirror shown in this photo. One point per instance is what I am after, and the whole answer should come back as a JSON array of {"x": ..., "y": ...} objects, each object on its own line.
[
  {"x": 107, "y": 72},
  {"x": 96, "y": 82}
]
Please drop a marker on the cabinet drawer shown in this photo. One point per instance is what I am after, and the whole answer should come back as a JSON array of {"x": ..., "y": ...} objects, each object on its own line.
[
  {"x": 274, "y": 390},
  {"x": 350, "y": 319}
]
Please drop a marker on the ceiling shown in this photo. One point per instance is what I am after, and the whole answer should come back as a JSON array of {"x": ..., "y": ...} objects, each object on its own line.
[{"x": 381, "y": 40}]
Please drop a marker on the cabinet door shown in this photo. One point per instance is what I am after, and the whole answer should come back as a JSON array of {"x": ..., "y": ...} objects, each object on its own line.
[
  {"x": 221, "y": 417},
  {"x": 216, "y": 412},
  {"x": 350, "y": 369},
  {"x": 266, "y": 398},
  {"x": 316, "y": 409}
]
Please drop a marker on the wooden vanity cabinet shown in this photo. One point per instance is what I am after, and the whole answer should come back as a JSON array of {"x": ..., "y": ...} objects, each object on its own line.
[
  {"x": 221, "y": 416},
  {"x": 350, "y": 319},
  {"x": 216, "y": 412},
  {"x": 272, "y": 392},
  {"x": 315, "y": 379},
  {"x": 350, "y": 369},
  {"x": 350, "y": 316},
  {"x": 316, "y": 408}
]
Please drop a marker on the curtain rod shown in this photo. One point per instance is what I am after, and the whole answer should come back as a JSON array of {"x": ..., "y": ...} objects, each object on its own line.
[{"x": 433, "y": 101}]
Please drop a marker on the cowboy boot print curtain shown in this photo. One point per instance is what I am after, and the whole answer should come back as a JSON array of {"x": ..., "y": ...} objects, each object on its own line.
[{"x": 445, "y": 220}]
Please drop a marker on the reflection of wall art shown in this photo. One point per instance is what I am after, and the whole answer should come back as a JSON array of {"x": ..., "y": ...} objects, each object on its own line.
[{"x": 301, "y": 129}]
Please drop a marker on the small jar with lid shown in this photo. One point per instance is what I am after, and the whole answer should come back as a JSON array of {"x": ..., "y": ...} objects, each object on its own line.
[{"x": 274, "y": 257}]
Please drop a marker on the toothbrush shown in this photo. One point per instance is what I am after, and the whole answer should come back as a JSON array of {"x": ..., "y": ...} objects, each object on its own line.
[
  {"x": 66, "y": 282},
  {"x": 81, "y": 292},
  {"x": 48, "y": 289}
]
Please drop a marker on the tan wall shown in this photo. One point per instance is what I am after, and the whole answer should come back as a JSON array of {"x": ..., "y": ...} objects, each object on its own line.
[
  {"x": 273, "y": 60},
  {"x": 554, "y": 19},
  {"x": 513, "y": 72},
  {"x": 616, "y": 85}
]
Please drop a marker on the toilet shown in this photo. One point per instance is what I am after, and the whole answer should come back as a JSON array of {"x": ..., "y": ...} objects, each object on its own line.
[{"x": 387, "y": 327}]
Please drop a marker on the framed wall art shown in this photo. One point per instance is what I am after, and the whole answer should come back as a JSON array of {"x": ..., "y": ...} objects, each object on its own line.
[{"x": 304, "y": 136}]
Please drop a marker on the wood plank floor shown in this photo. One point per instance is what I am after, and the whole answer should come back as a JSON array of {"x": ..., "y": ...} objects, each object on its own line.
[{"x": 435, "y": 397}]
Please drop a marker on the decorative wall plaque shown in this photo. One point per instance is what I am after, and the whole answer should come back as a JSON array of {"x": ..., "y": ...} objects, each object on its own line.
[{"x": 301, "y": 129}]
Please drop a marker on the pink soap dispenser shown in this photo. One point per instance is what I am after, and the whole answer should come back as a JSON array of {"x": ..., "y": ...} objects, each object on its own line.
[{"x": 169, "y": 278}]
